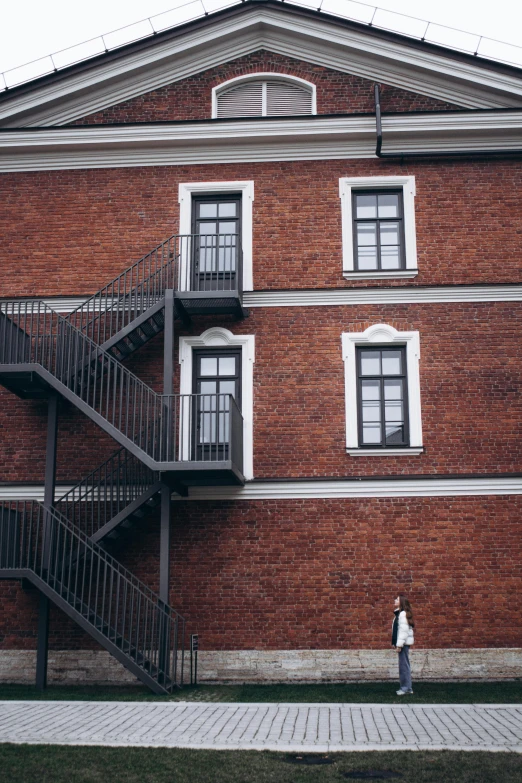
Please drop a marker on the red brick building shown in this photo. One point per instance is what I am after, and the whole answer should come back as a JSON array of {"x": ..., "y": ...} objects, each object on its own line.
[{"x": 303, "y": 402}]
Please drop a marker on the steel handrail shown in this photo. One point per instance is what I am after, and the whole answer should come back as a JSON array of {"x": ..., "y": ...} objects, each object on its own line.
[
  {"x": 105, "y": 492},
  {"x": 110, "y": 599},
  {"x": 157, "y": 425},
  {"x": 184, "y": 262}
]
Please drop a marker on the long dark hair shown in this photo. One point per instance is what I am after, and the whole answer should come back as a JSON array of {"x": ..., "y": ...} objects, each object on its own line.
[{"x": 405, "y": 606}]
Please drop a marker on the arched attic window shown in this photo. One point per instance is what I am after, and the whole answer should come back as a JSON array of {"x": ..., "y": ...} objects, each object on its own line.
[{"x": 263, "y": 95}]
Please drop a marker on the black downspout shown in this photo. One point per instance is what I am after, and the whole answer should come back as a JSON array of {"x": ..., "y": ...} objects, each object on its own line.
[{"x": 400, "y": 155}]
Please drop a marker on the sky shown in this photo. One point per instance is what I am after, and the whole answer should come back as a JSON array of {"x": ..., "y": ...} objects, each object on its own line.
[{"x": 31, "y": 29}]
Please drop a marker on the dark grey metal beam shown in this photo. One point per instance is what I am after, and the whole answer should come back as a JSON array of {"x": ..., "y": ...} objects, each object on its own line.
[
  {"x": 49, "y": 490},
  {"x": 168, "y": 346},
  {"x": 168, "y": 381}
]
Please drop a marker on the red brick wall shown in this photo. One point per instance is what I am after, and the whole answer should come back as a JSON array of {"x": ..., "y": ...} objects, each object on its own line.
[
  {"x": 315, "y": 574},
  {"x": 190, "y": 99},
  {"x": 70, "y": 232},
  {"x": 470, "y": 385}
]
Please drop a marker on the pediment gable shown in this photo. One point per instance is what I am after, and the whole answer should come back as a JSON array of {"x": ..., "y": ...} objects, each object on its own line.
[
  {"x": 423, "y": 76},
  {"x": 190, "y": 98}
]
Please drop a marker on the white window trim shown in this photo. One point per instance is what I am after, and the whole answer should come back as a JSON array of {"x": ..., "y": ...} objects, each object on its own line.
[
  {"x": 217, "y": 337},
  {"x": 246, "y": 188},
  {"x": 379, "y": 334},
  {"x": 346, "y": 186},
  {"x": 282, "y": 77}
]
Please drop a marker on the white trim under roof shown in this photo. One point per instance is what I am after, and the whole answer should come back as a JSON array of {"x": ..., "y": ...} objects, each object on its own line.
[
  {"x": 340, "y": 297},
  {"x": 404, "y": 487},
  {"x": 263, "y": 139},
  {"x": 321, "y": 41}
]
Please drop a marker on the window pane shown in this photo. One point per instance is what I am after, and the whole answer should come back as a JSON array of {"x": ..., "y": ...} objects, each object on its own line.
[
  {"x": 389, "y": 233},
  {"x": 208, "y": 365},
  {"x": 394, "y": 435},
  {"x": 393, "y": 389},
  {"x": 371, "y": 434},
  {"x": 366, "y": 258},
  {"x": 208, "y": 388},
  {"x": 227, "y": 365},
  {"x": 207, "y": 228},
  {"x": 366, "y": 234},
  {"x": 370, "y": 403},
  {"x": 388, "y": 205},
  {"x": 228, "y": 209},
  {"x": 370, "y": 362},
  {"x": 390, "y": 257},
  {"x": 392, "y": 363},
  {"x": 208, "y": 210},
  {"x": 228, "y": 227},
  {"x": 366, "y": 206},
  {"x": 226, "y": 387}
]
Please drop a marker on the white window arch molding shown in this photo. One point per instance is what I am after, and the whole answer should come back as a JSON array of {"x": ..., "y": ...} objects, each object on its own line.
[
  {"x": 260, "y": 77},
  {"x": 346, "y": 187},
  {"x": 187, "y": 190},
  {"x": 382, "y": 334},
  {"x": 218, "y": 337}
]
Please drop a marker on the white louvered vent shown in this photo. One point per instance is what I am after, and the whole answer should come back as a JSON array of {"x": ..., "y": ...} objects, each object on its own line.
[
  {"x": 245, "y": 100},
  {"x": 286, "y": 98},
  {"x": 264, "y": 99}
]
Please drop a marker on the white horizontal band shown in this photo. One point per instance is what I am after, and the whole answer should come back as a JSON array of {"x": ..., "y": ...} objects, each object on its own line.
[
  {"x": 344, "y": 488},
  {"x": 317, "y": 138},
  {"x": 350, "y": 296}
]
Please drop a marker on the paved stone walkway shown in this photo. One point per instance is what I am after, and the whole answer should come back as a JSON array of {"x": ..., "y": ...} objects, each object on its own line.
[{"x": 283, "y": 727}]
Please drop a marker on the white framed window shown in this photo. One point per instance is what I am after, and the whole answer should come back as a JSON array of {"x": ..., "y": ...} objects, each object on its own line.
[
  {"x": 367, "y": 408},
  {"x": 378, "y": 227},
  {"x": 187, "y": 191},
  {"x": 217, "y": 337},
  {"x": 264, "y": 95}
]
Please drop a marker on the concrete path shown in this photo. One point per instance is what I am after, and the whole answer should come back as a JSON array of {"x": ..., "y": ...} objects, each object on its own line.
[{"x": 282, "y": 727}]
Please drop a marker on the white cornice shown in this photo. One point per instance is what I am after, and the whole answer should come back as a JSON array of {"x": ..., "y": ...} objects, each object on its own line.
[
  {"x": 335, "y": 297},
  {"x": 361, "y": 488},
  {"x": 396, "y": 295},
  {"x": 315, "y": 40},
  {"x": 344, "y": 488},
  {"x": 253, "y": 140}
]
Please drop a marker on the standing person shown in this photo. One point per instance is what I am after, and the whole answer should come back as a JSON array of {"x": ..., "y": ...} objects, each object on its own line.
[{"x": 402, "y": 639}]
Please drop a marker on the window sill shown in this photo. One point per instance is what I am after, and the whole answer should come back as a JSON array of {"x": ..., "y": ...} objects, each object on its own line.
[
  {"x": 407, "y": 452},
  {"x": 379, "y": 274}
]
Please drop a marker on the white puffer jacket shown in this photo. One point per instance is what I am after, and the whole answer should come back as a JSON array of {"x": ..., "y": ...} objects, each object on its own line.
[{"x": 405, "y": 631}]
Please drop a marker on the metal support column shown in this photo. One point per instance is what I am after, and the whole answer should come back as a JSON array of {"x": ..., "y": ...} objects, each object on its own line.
[
  {"x": 49, "y": 490},
  {"x": 164, "y": 578},
  {"x": 168, "y": 370}
]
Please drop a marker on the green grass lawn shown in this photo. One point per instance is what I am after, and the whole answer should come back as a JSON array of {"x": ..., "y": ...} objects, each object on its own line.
[
  {"x": 380, "y": 692},
  {"x": 59, "y": 764}
]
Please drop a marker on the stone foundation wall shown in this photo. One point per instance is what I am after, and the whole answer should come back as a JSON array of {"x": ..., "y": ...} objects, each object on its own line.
[{"x": 92, "y": 667}]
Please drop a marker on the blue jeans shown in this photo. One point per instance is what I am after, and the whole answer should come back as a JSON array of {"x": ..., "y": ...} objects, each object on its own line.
[{"x": 405, "y": 669}]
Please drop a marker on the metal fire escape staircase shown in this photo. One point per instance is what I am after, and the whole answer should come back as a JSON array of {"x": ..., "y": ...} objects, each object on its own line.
[{"x": 58, "y": 546}]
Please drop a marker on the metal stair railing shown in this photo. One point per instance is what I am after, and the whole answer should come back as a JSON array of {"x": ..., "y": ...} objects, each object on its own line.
[
  {"x": 163, "y": 428},
  {"x": 106, "y": 599},
  {"x": 32, "y": 333},
  {"x": 107, "y": 493},
  {"x": 138, "y": 288},
  {"x": 184, "y": 262}
]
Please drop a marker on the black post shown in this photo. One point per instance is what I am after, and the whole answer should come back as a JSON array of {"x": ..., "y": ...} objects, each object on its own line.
[
  {"x": 49, "y": 489},
  {"x": 168, "y": 346},
  {"x": 168, "y": 369}
]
